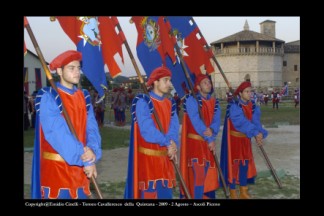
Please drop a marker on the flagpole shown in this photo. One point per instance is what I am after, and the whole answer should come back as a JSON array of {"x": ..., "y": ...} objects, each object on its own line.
[
  {"x": 214, "y": 59},
  {"x": 51, "y": 81},
  {"x": 273, "y": 172},
  {"x": 154, "y": 112},
  {"x": 226, "y": 192}
]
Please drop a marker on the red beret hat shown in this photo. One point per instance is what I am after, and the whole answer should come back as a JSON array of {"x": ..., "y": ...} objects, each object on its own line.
[
  {"x": 199, "y": 78},
  {"x": 65, "y": 58},
  {"x": 157, "y": 74},
  {"x": 243, "y": 86}
]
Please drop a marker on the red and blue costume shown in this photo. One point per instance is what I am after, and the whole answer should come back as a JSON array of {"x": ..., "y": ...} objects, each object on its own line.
[
  {"x": 150, "y": 171},
  {"x": 242, "y": 122},
  {"x": 196, "y": 160},
  {"x": 57, "y": 171}
]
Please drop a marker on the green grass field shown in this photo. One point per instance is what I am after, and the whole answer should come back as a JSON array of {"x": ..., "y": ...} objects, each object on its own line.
[
  {"x": 286, "y": 113},
  {"x": 119, "y": 137}
]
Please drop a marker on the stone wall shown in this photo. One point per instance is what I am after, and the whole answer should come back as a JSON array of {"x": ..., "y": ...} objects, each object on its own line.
[
  {"x": 263, "y": 70},
  {"x": 289, "y": 73}
]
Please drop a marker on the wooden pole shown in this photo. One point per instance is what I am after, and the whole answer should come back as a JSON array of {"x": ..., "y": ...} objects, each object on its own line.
[
  {"x": 273, "y": 172},
  {"x": 226, "y": 192},
  {"x": 154, "y": 113},
  {"x": 50, "y": 79}
]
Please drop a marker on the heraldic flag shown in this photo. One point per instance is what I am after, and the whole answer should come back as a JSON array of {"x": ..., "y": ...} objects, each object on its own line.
[
  {"x": 191, "y": 44},
  {"x": 195, "y": 55},
  {"x": 155, "y": 47},
  {"x": 97, "y": 40}
]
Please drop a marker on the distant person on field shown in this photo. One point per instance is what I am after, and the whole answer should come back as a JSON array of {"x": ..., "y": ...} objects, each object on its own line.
[
  {"x": 275, "y": 99},
  {"x": 266, "y": 98},
  {"x": 26, "y": 111},
  {"x": 121, "y": 107},
  {"x": 296, "y": 97},
  {"x": 130, "y": 97}
]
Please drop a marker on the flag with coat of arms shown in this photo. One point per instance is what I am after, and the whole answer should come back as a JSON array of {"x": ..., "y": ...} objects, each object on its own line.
[
  {"x": 192, "y": 44},
  {"x": 98, "y": 41},
  {"x": 193, "y": 49},
  {"x": 155, "y": 47}
]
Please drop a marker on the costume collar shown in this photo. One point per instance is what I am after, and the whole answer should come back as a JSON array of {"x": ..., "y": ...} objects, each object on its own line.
[
  {"x": 242, "y": 102},
  {"x": 67, "y": 90},
  {"x": 206, "y": 98},
  {"x": 152, "y": 94}
]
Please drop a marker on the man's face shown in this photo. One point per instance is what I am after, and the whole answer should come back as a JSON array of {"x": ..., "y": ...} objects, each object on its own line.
[
  {"x": 70, "y": 73},
  {"x": 246, "y": 94},
  {"x": 205, "y": 86},
  {"x": 163, "y": 85}
]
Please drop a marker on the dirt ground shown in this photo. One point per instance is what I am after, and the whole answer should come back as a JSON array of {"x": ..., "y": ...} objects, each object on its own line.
[{"x": 282, "y": 147}]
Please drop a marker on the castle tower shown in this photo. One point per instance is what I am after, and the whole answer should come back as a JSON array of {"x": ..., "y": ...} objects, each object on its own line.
[
  {"x": 249, "y": 55},
  {"x": 268, "y": 27}
]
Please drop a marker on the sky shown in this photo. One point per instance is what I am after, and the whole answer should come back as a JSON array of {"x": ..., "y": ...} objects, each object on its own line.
[{"x": 53, "y": 41}]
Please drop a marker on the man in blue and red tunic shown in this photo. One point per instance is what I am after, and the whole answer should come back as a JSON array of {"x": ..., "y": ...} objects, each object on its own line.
[
  {"x": 242, "y": 122},
  {"x": 63, "y": 164},
  {"x": 198, "y": 141},
  {"x": 150, "y": 171}
]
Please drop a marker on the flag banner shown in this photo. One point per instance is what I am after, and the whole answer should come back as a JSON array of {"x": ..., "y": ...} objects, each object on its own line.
[
  {"x": 97, "y": 40},
  {"x": 112, "y": 43},
  {"x": 153, "y": 42},
  {"x": 179, "y": 80},
  {"x": 155, "y": 47},
  {"x": 284, "y": 91},
  {"x": 192, "y": 45},
  {"x": 25, "y": 23}
]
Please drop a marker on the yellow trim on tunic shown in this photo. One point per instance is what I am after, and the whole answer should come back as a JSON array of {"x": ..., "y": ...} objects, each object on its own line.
[
  {"x": 237, "y": 134},
  {"x": 152, "y": 152},
  {"x": 195, "y": 136},
  {"x": 52, "y": 156}
]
